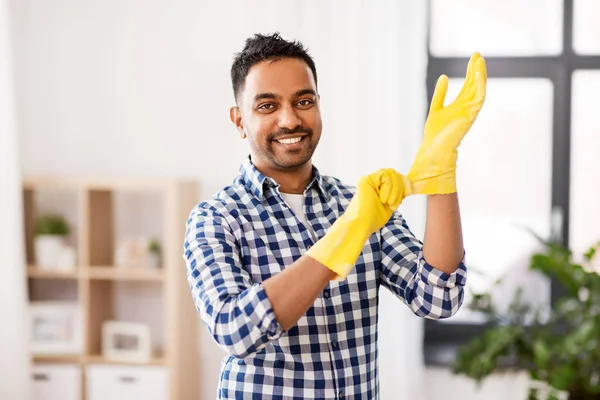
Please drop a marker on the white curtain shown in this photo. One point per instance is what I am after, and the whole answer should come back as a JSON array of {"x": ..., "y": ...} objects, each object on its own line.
[
  {"x": 14, "y": 352},
  {"x": 170, "y": 62}
]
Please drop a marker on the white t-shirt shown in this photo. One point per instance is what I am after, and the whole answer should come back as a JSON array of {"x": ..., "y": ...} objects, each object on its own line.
[{"x": 296, "y": 203}]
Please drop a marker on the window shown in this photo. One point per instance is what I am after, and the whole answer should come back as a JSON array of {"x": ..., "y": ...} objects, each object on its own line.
[
  {"x": 503, "y": 28},
  {"x": 584, "y": 217},
  {"x": 501, "y": 190},
  {"x": 532, "y": 140}
]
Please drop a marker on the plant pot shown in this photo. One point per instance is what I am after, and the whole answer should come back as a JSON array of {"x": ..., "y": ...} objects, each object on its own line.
[
  {"x": 154, "y": 260},
  {"x": 47, "y": 250}
]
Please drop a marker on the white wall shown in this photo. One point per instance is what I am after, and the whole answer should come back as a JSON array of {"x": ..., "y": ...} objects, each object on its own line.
[
  {"x": 14, "y": 351},
  {"x": 116, "y": 88}
]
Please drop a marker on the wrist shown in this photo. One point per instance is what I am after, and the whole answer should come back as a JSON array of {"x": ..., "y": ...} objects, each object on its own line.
[{"x": 441, "y": 183}]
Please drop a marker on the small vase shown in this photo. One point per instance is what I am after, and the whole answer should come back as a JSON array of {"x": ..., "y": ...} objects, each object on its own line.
[
  {"x": 154, "y": 260},
  {"x": 47, "y": 250}
]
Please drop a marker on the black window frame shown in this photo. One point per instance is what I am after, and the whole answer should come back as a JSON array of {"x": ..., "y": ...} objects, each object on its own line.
[{"x": 442, "y": 339}]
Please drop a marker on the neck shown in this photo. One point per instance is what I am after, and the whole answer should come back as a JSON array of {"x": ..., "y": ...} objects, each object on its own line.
[{"x": 292, "y": 181}]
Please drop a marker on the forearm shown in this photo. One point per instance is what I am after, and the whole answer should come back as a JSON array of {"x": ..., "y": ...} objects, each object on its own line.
[
  {"x": 443, "y": 242},
  {"x": 293, "y": 290}
]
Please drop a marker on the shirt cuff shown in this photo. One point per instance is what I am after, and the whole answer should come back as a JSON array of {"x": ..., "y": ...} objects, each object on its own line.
[
  {"x": 435, "y": 277},
  {"x": 257, "y": 307}
]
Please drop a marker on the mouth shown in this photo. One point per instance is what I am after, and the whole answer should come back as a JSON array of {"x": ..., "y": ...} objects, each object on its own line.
[{"x": 291, "y": 143}]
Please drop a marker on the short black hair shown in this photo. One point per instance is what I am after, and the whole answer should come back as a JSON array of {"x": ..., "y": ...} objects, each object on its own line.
[{"x": 260, "y": 48}]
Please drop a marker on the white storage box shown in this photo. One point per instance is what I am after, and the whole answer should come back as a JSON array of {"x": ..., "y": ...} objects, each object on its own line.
[
  {"x": 115, "y": 382},
  {"x": 56, "y": 382}
]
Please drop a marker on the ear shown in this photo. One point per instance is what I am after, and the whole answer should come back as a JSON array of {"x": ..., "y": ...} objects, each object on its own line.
[{"x": 236, "y": 117}]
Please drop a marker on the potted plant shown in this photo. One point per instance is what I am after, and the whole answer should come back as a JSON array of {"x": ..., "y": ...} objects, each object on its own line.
[
  {"x": 154, "y": 250},
  {"x": 559, "y": 348},
  {"x": 50, "y": 233}
]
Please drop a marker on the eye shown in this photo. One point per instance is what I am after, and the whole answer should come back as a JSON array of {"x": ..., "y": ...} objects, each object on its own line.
[
  {"x": 305, "y": 103},
  {"x": 266, "y": 107}
]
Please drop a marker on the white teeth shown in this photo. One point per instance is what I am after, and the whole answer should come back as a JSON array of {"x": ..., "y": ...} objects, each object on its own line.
[{"x": 290, "y": 141}]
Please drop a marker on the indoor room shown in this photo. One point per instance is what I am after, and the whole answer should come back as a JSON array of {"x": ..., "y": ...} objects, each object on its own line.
[{"x": 260, "y": 199}]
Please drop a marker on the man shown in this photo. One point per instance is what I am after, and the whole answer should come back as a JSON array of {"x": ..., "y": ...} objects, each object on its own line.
[{"x": 285, "y": 264}]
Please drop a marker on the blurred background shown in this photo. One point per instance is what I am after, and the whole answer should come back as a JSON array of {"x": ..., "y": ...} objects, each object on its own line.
[{"x": 114, "y": 123}]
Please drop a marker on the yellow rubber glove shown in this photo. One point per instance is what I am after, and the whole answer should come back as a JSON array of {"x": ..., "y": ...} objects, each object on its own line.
[
  {"x": 434, "y": 168},
  {"x": 377, "y": 196}
]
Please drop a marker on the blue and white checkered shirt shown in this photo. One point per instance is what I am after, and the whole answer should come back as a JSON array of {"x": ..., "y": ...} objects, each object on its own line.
[{"x": 245, "y": 234}]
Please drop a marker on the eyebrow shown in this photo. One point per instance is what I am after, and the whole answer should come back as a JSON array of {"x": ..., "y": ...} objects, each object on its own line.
[
  {"x": 269, "y": 95},
  {"x": 302, "y": 92},
  {"x": 262, "y": 96}
]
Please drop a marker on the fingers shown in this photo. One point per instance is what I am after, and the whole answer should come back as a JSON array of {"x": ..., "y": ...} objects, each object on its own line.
[
  {"x": 386, "y": 186},
  {"x": 478, "y": 92},
  {"x": 398, "y": 191},
  {"x": 391, "y": 187},
  {"x": 473, "y": 87},
  {"x": 439, "y": 94},
  {"x": 469, "y": 75},
  {"x": 481, "y": 80}
]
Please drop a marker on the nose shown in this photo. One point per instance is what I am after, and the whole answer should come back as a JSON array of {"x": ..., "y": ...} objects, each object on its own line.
[{"x": 289, "y": 118}]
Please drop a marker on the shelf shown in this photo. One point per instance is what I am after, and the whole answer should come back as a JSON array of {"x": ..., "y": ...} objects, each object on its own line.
[
  {"x": 98, "y": 359},
  {"x": 124, "y": 274},
  {"x": 35, "y": 272},
  {"x": 112, "y": 222},
  {"x": 57, "y": 358}
]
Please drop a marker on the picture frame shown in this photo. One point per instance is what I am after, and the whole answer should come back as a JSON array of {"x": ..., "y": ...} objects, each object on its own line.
[
  {"x": 55, "y": 327},
  {"x": 126, "y": 341},
  {"x": 137, "y": 252}
]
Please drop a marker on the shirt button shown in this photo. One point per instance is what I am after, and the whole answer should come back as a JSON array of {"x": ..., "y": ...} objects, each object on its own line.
[
  {"x": 326, "y": 294},
  {"x": 334, "y": 344},
  {"x": 341, "y": 394},
  {"x": 308, "y": 247}
]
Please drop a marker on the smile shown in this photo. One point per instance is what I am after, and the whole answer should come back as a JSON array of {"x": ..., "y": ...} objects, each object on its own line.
[{"x": 290, "y": 140}]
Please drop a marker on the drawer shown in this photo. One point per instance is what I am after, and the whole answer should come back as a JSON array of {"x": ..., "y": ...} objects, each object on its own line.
[
  {"x": 56, "y": 382},
  {"x": 113, "y": 382}
]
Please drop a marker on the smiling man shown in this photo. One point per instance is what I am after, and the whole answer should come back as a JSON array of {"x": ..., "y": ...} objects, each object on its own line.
[{"x": 285, "y": 264}]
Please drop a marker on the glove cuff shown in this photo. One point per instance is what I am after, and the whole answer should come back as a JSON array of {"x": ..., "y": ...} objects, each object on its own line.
[{"x": 443, "y": 183}]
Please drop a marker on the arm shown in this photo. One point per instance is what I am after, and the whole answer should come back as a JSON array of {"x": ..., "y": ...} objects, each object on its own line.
[
  {"x": 429, "y": 292},
  {"x": 443, "y": 243},
  {"x": 433, "y": 171},
  {"x": 293, "y": 290},
  {"x": 243, "y": 316}
]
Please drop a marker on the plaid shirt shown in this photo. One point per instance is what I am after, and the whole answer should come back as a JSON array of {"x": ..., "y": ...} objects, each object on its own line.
[{"x": 245, "y": 234}]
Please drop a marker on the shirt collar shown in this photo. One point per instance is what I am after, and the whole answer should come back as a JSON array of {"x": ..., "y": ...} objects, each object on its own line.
[{"x": 255, "y": 181}]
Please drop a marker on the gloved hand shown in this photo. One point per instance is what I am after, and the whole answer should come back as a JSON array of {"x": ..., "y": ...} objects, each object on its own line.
[
  {"x": 377, "y": 196},
  {"x": 434, "y": 168}
]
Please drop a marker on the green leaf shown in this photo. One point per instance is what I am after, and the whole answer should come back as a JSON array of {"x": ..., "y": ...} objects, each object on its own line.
[
  {"x": 541, "y": 353},
  {"x": 589, "y": 255},
  {"x": 479, "y": 358},
  {"x": 532, "y": 394},
  {"x": 553, "y": 395},
  {"x": 562, "y": 377},
  {"x": 51, "y": 225}
]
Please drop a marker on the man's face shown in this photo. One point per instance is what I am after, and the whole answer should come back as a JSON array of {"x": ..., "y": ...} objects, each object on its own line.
[{"x": 280, "y": 114}]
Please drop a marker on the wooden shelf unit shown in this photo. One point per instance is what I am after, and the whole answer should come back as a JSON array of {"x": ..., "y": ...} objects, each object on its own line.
[{"x": 96, "y": 283}]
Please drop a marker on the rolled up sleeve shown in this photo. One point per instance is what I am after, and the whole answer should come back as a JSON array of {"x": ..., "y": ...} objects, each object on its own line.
[
  {"x": 236, "y": 311},
  {"x": 429, "y": 292}
]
